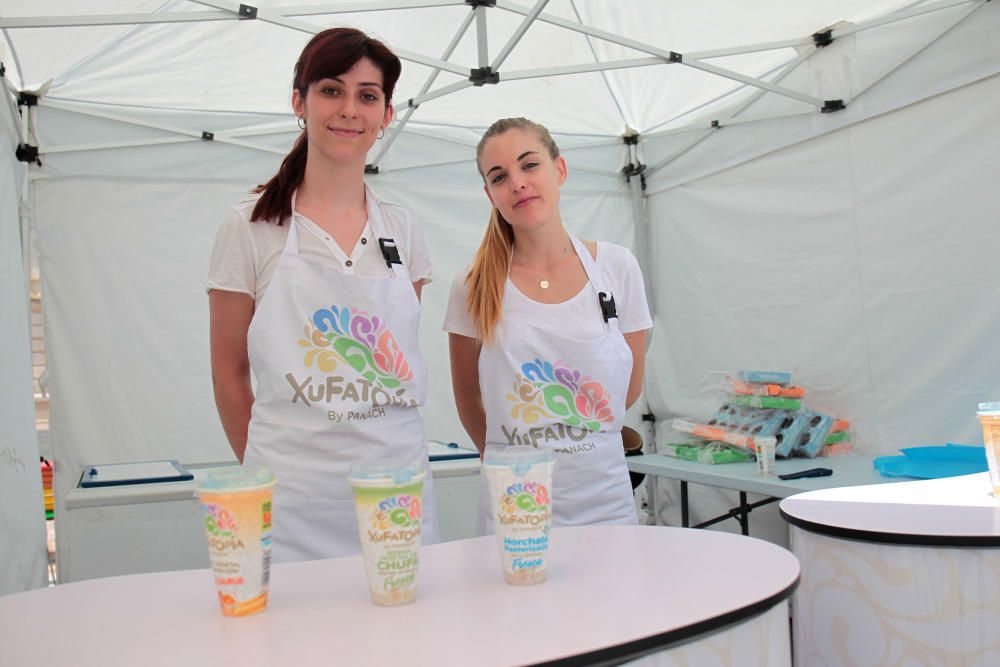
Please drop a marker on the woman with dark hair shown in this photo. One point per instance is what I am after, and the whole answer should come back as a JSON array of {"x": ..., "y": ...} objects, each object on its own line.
[
  {"x": 547, "y": 333},
  {"x": 314, "y": 289}
]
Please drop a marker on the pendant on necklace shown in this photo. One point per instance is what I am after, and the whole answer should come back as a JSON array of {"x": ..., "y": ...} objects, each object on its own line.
[{"x": 544, "y": 284}]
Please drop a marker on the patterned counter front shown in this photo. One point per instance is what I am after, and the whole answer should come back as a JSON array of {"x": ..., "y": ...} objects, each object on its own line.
[{"x": 901, "y": 574}]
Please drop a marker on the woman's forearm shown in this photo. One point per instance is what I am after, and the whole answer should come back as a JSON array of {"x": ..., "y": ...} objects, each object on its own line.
[
  {"x": 472, "y": 414},
  {"x": 464, "y": 353},
  {"x": 234, "y": 400}
]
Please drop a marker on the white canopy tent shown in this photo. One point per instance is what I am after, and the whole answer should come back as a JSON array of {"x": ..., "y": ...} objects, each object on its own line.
[{"x": 818, "y": 181}]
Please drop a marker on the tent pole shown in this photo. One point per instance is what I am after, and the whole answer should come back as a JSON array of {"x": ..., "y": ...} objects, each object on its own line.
[
  {"x": 902, "y": 14},
  {"x": 529, "y": 18},
  {"x": 643, "y": 245},
  {"x": 13, "y": 55},
  {"x": 581, "y": 69},
  {"x": 657, "y": 51},
  {"x": 923, "y": 45},
  {"x": 627, "y": 118},
  {"x": 279, "y": 18},
  {"x": 482, "y": 42},
  {"x": 750, "y": 81},
  {"x": 351, "y": 7},
  {"x": 10, "y": 95},
  {"x": 440, "y": 92},
  {"x": 191, "y": 134},
  {"x": 394, "y": 133},
  {"x": 78, "y": 148},
  {"x": 643, "y": 240},
  {"x": 113, "y": 19},
  {"x": 787, "y": 68}
]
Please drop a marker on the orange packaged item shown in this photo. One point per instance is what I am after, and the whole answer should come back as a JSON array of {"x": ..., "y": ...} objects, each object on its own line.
[{"x": 750, "y": 389}]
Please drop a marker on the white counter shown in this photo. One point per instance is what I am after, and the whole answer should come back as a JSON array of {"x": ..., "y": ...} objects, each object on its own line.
[
  {"x": 905, "y": 573},
  {"x": 614, "y": 593}
]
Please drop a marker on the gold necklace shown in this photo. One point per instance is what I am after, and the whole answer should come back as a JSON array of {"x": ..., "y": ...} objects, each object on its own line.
[{"x": 542, "y": 280}]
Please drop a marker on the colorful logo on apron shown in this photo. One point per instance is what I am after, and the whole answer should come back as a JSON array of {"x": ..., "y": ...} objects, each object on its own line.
[
  {"x": 357, "y": 339},
  {"x": 555, "y": 391}
]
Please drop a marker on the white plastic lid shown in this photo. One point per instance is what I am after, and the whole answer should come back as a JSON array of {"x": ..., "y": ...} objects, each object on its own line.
[
  {"x": 236, "y": 479},
  {"x": 989, "y": 408},
  {"x": 518, "y": 459},
  {"x": 385, "y": 472}
]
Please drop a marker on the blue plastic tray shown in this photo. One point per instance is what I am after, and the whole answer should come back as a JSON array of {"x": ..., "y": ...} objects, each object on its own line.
[{"x": 933, "y": 462}]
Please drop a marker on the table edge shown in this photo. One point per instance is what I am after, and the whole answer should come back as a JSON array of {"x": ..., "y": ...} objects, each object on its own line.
[
  {"x": 637, "y": 648},
  {"x": 883, "y": 537}
]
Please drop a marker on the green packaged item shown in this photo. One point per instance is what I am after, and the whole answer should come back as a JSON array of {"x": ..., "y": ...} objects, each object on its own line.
[
  {"x": 709, "y": 452},
  {"x": 776, "y": 402},
  {"x": 839, "y": 436}
]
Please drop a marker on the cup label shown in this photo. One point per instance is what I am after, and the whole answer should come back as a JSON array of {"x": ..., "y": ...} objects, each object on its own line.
[
  {"x": 390, "y": 536},
  {"x": 238, "y": 531},
  {"x": 523, "y": 511}
]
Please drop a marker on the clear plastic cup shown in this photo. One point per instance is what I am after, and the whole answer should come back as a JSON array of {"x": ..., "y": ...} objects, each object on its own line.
[
  {"x": 520, "y": 481},
  {"x": 388, "y": 499},
  {"x": 764, "y": 447},
  {"x": 989, "y": 419},
  {"x": 237, "y": 504}
]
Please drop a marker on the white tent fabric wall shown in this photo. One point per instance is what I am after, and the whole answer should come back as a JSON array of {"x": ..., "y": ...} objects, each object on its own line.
[
  {"x": 23, "y": 558},
  {"x": 863, "y": 260}
]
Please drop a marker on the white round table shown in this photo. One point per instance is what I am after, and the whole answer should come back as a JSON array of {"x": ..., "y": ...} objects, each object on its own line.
[
  {"x": 897, "y": 574},
  {"x": 614, "y": 594}
]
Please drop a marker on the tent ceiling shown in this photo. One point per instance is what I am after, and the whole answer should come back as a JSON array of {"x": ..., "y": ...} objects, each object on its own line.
[{"x": 224, "y": 64}]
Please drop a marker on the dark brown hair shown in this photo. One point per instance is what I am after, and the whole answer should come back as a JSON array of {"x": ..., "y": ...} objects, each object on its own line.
[{"x": 329, "y": 54}]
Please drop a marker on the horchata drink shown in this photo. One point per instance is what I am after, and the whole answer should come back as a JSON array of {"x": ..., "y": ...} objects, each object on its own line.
[
  {"x": 388, "y": 500},
  {"x": 989, "y": 418},
  {"x": 237, "y": 504},
  {"x": 520, "y": 480}
]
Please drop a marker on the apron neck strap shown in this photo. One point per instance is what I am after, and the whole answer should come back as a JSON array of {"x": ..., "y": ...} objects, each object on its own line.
[
  {"x": 605, "y": 298},
  {"x": 386, "y": 244},
  {"x": 292, "y": 240}
]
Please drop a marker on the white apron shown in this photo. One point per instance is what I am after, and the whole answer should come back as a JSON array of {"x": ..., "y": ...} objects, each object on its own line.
[
  {"x": 546, "y": 390},
  {"x": 339, "y": 379}
]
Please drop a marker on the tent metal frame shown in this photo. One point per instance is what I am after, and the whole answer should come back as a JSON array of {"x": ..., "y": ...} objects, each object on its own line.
[
  {"x": 705, "y": 133},
  {"x": 488, "y": 73}
]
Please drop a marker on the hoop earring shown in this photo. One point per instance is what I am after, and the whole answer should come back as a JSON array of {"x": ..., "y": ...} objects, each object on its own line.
[
  {"x": 301, "y": 123},
  {"x": 381, "y": 133}
]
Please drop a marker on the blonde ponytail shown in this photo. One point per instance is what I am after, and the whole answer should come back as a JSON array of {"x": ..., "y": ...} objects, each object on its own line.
[{"x": 488, "y": 276}]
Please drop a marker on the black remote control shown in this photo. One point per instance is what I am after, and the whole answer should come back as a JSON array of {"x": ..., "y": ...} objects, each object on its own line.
[{"x": 812, "y": 472}]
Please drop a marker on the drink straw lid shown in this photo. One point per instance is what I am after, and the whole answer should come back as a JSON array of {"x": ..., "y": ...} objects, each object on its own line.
[
  {"x": 385, "y": 471},
  {"x": 519, "y": 459},
  {"x": 235, "y": 479}
]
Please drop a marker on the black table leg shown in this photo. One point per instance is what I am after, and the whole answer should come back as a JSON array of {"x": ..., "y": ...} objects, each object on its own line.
[
  {"x": 685, "y": 519},
  {"x": 744, "y": 513}
]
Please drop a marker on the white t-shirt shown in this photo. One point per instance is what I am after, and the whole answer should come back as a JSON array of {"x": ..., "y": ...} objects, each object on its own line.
[
  {"x": 246, "y": 253},
  {"x": 618, "y": 269}
]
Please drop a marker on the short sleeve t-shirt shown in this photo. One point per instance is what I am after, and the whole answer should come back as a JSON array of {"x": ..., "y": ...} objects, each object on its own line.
[
  {"x": 618, "y": 269},
  {"x": 246, "y": 253}
]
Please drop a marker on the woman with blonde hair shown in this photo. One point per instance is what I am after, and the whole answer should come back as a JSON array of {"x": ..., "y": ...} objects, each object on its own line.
[
  {"x": 314, "y": 290},
  {"x": 547, "y": 332}
]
